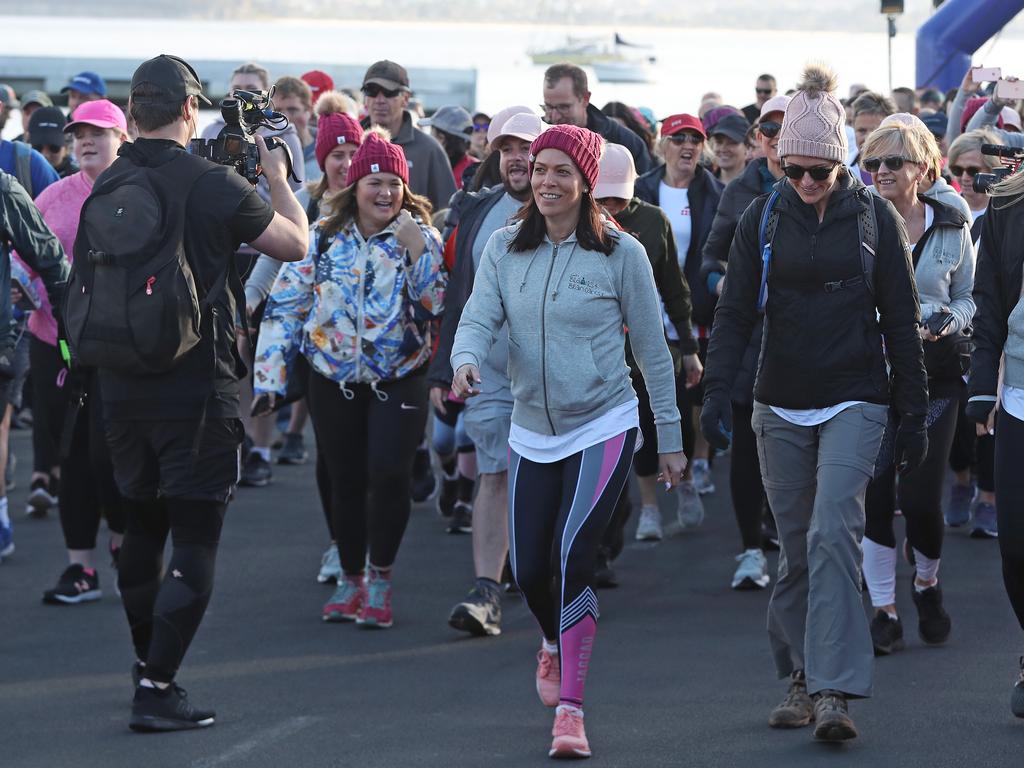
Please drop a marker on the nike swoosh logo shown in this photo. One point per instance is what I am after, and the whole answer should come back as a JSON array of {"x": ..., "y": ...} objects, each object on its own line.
[{"x": 406, "y": 407}]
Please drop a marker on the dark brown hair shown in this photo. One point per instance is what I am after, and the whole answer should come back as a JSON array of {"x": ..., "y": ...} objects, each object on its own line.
[
  {"x": 343, "y": 208},
  {"x": 590, "y": 231},
  {"x": 625, "y": 113},
  {"x": 292, "y": 86},
  {"x": 556, "y": 72},
  {"x": 153, "y": 117}
]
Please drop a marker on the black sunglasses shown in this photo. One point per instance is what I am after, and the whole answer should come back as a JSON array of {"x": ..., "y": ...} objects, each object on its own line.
[
  {"x": 818, "y": 173},
  {"x": 959, "y": 170},
  {"x": 892, "y": 163},
  {"x": 769, "y": 128},
  {"x": 686, "y": 138},
  {"x": 55, "y": 148},
  {"x": 373, "y": 91},
  {"x": 764, "y": 91}
]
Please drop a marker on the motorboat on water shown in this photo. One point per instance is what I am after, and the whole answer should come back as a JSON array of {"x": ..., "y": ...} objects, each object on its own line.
[{"x": 614, "y": 61}]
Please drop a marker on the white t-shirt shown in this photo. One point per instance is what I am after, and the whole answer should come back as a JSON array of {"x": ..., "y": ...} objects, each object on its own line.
[
  {"x": 675, "y": 203},
  {"x": 1013, "y": 401},
  {"x": 546, "y": 449},
  {"x": 812, "y": 417}
]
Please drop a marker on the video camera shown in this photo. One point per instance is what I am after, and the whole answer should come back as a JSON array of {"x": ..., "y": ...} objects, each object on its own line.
[
  {"x": 244, "y": 114},
  {"x": 1011, "y": 158}
]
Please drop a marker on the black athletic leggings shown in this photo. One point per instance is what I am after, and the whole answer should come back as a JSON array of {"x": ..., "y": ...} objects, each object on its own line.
[
  {"x": 748, "y": 496},
  {"x": 49, "y": 404},
  {"x": 368, "y": 444},
  {"x": 1009, "y": 439},
  {"x": 920, "y": 491},
  {"x": 165, "y": 614},
  {"x": 972, "y": 452}
]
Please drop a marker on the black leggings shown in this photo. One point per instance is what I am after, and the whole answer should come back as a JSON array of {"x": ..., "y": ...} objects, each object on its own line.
[
  {"x": 557, "y": 515},
  {"x": 49, "y": 404},
  {"x": 972, "y": 452},
  {"x": 1009, "y": 439},
  {"x": 368, "y": 443},
  {"x": 748, "y": 497},
  {"x": 165, "y": 614},
  {"x": 920, "y": 491}
]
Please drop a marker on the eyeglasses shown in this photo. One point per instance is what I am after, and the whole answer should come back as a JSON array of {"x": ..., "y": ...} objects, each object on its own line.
[
  {"x": 686, "y": 138},
  {"x": 818, "y": 173},
  {"x": 562, "y": 109},
  {"x": 763, "y": 91},
  {"x": 769, "y": 128},
  {"x": 959, "y": 170},
  {"x": 892, "y": 163},
  {"x": 373, "y": 90},
  {"x": 481, "y": 127}
]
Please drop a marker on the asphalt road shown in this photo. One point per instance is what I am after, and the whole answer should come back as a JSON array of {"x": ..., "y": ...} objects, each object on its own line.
[{"x": 681, "y": 674}]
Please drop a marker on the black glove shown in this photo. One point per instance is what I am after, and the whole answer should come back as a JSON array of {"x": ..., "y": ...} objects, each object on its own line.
[
  {"x": 716, "y": 420},
  {"x": 911, "y": 444},
  {"x": 978, "y": 411}
]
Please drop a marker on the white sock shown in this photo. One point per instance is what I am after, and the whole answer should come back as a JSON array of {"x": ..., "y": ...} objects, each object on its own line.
[
  {"x": 551, "y": 648},
  {"x": 880, "y": 572},
  {"x": 264, "y": 452},
  {"x": 5, "y": 520},
  {"x": 571, "y": 709},
  {"x": 147, "y": 683},
  {"x": 927, "y": 569},
  {"x": 700, "y": 463}
]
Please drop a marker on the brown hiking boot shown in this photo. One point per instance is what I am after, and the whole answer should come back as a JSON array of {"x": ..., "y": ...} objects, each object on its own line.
[
  {"x": 797, "y": 709},
  {"x": 833, "y": 722}
]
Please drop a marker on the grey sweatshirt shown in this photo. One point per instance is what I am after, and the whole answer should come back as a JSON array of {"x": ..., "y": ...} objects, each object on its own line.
[
  {"x": 565, "y": 308},
  {"x": 1013, "y": 349}
]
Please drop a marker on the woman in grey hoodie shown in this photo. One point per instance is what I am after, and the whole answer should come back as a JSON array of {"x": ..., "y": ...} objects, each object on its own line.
[{"x": 567, "y": 284}]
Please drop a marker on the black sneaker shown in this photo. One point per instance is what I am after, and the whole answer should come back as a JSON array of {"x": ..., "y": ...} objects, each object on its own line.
[
  {"x": 1017, "y": 699},
  {"x": 480, "y": 613},
  {"x": 886, "y": 634},
  {"x": 462, "y": 518},
  {"x": 75, "y": 586},
  {"x": 424, "y": 483},
  {"x": 166, "y": 710},
  {"x": 448, "y": 496},
  {"x": 256, "y": 471},
  {"x": 604, "y": 574},
  {"x": 42, "y": 497},
  {"x": 933, "y": 623},
  {"x": 293, "y": 450}
]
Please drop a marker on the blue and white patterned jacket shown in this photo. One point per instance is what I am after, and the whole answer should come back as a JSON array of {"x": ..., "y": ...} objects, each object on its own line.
[{"x": 359, "y": 312}]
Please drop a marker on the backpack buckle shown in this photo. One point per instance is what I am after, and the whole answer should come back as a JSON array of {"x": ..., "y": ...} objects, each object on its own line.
[{"x": 99, "y": 258}]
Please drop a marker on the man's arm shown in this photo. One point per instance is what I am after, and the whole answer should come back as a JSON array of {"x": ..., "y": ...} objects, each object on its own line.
[{"x": 286, "y": 238}]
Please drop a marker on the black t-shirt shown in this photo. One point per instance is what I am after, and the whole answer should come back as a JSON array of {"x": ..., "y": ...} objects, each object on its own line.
[{"x": 223, "y": 211}]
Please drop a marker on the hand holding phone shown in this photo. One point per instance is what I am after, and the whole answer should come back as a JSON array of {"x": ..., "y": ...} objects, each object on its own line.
[
  {"x": 986, "y": 74},
  {"x": 1010, "y": 90},
  {"x": 938, "y": 323},
  {"x": 263, "y": 404}
]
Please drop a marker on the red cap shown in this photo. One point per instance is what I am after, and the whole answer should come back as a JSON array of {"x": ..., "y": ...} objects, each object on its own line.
[
  {"x": 318, "y": 82},
  {"x": 377, "y": 155},
  {"x": 335, "y": 129},
  {"x": 676, "y": 123}
]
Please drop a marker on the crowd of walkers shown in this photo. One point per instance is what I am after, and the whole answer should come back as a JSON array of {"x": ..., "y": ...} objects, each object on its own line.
[{"x": 503, "y": 315}]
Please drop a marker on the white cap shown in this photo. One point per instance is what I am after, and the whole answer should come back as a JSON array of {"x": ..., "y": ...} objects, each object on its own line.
[
  {"x": 499, "y": 119},
  {"x": 524, "y": 125},
  {"x": 617, "y": 173},
  {"x": 1010, "y": 117},
  {"x": 774, "y": 104}
]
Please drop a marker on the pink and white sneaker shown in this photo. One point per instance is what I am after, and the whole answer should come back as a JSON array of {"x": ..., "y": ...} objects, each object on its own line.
[
  {"x": 549, "y": 678},
  {"x": 570, "y": 740},
  {"x": 376, "y": 608}
]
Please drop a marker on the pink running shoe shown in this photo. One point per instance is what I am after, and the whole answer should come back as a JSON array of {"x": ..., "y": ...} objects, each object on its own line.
[
  {"x": 346, "y": 601},
  {"x": 570, "y": 740},
  {"x": 549, "y": 678},
  {"x": 375, "y": 612}
]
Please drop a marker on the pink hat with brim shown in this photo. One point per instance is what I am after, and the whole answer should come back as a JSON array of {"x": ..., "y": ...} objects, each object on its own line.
[
  {"x": 100, "y": 114},
  {"x": 616, "y": 176}
]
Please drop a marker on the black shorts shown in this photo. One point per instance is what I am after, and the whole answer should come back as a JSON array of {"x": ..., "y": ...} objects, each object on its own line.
[{"x": 155, "y": 459}]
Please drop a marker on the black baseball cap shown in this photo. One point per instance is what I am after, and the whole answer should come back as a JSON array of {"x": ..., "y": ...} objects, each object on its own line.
[
  {"x": 172, "y": 76},
  {"x": 387, "y": 74},
  {"x": 734, "y": 127},
  {"x": 46, "y": 127}
]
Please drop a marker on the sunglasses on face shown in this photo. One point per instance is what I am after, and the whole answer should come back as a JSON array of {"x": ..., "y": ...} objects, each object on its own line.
[
  {"x": 892, "y": 163},
  {"x": 373, "y": 90},
  {"x": 481, "y": 127},
  {"x": 818, "y": 172},
  {"x": 769, "y": 129},
  {"x": 686, "y": 138},
  {"x": 763, "y": 91},
  {"x": 959, "y": 170},
  {"x": 55, "y": 148}
]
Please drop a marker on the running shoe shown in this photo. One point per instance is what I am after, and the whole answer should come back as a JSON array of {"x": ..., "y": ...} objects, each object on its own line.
[
  {"x": 76, "y": 585},
  {"x": 797, "y": 709},
  {"x": 549, "y": 678},
  {"x": 347, "y": 601},
  {"x": 985, "y": 525},
  {"x": 649, "y": 527},
  {"x": 424, "y": 482},
  {"x": 42, "y": 497},
  {"x": 933, "y": 623},
  {"x": 6, "y": 541},
  {"x": 375, "y": 610},
  {"x": 256, "y": 471},
  {"x": 1017, "y": 699},
  {"x": 701, "y": 473},
  {"x": 480, "y": 613},
  {"x": 886, "y": 633},
  {"x": 958, "y": 513},
  {"x": 448, "y": 496},
  {"x": 752, "y": 572},
  {"x": 330, "y": 566},
  {"x": 462, "y": 518},
  {"x": 604, "y": 575},
  {"x": 690, "y": 511},
  {"x": 832, "y": 720},
  {"x": 569, "y": 740},
  {"x": 293, "y": 450},
  {"x": 166, "y": 710}
]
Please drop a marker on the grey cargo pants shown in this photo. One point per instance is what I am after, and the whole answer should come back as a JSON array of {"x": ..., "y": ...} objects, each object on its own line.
[{"x": 816, "y": 478}]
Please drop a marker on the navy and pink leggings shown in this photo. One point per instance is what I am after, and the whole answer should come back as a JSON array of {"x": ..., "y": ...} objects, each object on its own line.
[{"x": 557, "y": 515}]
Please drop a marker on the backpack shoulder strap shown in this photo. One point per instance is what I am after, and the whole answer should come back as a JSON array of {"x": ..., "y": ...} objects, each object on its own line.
[
  {"x": 766, "y": 233},
  {"x": 23, "y": 166},
  {"x": 867, "y": 232}
]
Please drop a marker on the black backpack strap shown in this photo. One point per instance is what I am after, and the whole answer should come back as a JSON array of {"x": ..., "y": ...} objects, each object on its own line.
[
  {"x": 23, "y": 166},
  {"x": 867, "y": 235}
]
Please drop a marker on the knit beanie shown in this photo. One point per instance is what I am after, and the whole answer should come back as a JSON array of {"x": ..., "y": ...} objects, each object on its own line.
[
  {"x": 377, "y": 155},
  {"x": 584, "y": 147},
  {"x": 334, "y": 126},
  {"x": 815, "y": 121}
]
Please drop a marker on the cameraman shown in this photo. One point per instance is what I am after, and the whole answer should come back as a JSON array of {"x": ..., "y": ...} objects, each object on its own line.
[{"x": 174, "y": 436}]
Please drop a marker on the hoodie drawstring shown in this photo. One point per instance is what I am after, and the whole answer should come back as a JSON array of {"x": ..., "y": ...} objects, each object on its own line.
[
  {"x": 348, "y": 393},
  {"x": 382, "y": 396},
  {"x": 527, "y": 273},
  {"x": 554, "y": 295}
]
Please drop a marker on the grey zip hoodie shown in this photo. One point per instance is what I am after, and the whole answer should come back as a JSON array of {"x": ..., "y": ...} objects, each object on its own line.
[{"x": 565, "y": 308}]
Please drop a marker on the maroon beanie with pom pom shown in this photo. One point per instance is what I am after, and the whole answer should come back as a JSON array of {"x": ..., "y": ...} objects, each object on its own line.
[
  {"x": 335, "y": 129},
  {"x": 377, "y": 155},
  {"x": 584, "y": 147}
]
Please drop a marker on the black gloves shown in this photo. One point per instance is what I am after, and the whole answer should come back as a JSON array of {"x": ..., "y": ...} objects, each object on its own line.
[
  {"x": 716, "y": 420},
  {"x": 911, "y": 444},
  {"x": 979, "y": 410}
]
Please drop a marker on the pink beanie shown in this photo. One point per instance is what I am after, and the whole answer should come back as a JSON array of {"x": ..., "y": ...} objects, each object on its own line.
[
  {"x": 377, "y": 155},
  {"x": 815, "y": 121},
  {"x": 332, "y": 130},
  {"x": 972, "y": 106},
  {"x": 584, "y": 147}
]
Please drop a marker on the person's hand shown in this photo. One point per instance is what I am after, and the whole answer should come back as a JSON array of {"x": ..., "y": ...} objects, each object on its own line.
[
  {"x": 967, "y": 85},
  {"x": 693, "y": 369},
  {"x": 911, "y": 443},
  {"x": 670, "y": 469},
  {"x": 1003, "y": 102},
  {"x": 437, "y": 398},
  {"x": 981, "y": 412},
  {"x": 409, "y": 235},
  {"x": 466, "y": 379},
  {"x": 716, "y": 420},
  {"x": 263, "y": 403},
  {"x": 925, "y": 334},
  {"x": 989, "y": 427},
  {"x": 274, "y": 162}
]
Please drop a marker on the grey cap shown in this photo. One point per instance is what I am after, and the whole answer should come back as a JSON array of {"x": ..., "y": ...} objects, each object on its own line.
[
  {"x": 453, "y": 120},
  {"x": 734, "y": 127},
  {"x": 36, "y": 97}
]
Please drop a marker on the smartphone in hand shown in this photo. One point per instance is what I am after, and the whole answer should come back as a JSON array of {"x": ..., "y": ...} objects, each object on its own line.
[
  {"x": 938, "y": 322},
  {"x": 986, "y": 74},
  {"x": 1011, "y": 90}
]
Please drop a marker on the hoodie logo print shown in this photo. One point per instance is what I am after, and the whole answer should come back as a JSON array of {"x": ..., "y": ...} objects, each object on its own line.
[{"x": 579, "y": 282}]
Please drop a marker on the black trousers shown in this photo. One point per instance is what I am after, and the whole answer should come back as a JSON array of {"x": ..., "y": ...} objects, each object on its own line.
[
  {"x": 49, "y": 404},
  {"x": 1009, "y": 439},
  {"x": 745, "y": 484}
]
